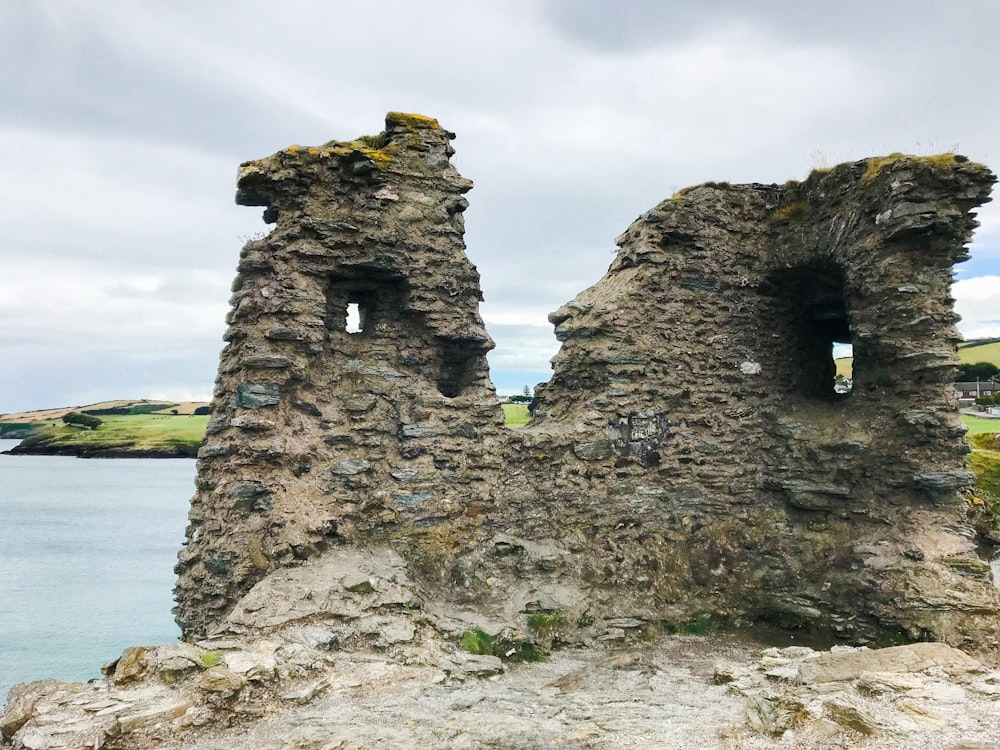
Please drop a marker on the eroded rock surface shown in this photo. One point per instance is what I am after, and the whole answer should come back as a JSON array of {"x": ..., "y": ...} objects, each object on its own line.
[
  {"x": 689, "y": 455},
  {"x": 681, "y": 692}
]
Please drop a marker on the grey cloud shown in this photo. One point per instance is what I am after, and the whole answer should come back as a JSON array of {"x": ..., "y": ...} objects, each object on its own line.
[
  {"x": 68, "y": 73},
  {"x": 643, "y": 23},
  {"x": 522, "y": 347},
  {"x": 91, "y": 380}
]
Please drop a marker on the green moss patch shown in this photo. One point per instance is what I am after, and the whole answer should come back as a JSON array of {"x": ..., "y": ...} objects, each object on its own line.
[
  {"x": 507, "y": 646},
  {"x": 544, "y": 623},
  {"x": 697, "y": 626}
]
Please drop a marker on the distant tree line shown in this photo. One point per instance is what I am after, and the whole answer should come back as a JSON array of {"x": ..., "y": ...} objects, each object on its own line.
[
  {"x": 970, "y": 373},
  {"x": 109, "y": 411}
]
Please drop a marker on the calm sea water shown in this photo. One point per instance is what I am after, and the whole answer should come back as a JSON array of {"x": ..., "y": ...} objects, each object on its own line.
[{"x": 87, "y": 548}]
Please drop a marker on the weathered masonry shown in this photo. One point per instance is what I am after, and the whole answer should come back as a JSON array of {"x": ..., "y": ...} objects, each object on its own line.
[{"x": 637, "y": 495}]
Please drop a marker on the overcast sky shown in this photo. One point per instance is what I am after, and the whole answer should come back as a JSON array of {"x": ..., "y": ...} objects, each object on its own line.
[{"x": 123, "y": 122}]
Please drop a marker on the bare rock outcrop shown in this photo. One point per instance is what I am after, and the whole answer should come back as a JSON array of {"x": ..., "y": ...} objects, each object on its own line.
[{"x": 683, "y": 692}]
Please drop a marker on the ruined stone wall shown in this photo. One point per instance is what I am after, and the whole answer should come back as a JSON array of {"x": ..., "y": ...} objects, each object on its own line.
[
  {"x": 320, "y": 435},
  {"x": 689, "y": 455},
  {"x": 701, "y": 366}
]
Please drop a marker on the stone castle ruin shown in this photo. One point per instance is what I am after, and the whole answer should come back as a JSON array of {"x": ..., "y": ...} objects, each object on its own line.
[
  {"x": 368, "y": 539},
  {"x": 688, "y": 458}
]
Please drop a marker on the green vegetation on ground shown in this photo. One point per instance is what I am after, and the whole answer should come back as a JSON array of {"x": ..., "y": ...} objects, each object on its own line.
[
  {"x": 545, "y": 622},
  {"x": 987, "y": 350},
  {"x": 506, "y": 645},
  {"x": 16, "y": 430},
  {"x": 698, "y": 626},
  {"x": 146, "y": 428},
  {"x": 79, "y": 419},
  {"x": 150, "y": 407},
  {"x": 984, "y": 461},
  {"x": 516, "y": 415},
  {"x": 979, "y": 425}
]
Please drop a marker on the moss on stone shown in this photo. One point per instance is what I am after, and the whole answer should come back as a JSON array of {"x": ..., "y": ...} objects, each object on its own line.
[
  {"x": 413, "y": 122},
  {"x": 875, "y": 165},
  {"x": 790, "y": 212},
  {"x": 697, "y": 626},
  {"x": 717, "y": 185},
  {"x": 477, "y": 641},
  {"x": 379, "y": 141},
  {"x": 545, "y": 622},
  {"x": 506, "y": 646},
  {"x": 378, "y": 156}
]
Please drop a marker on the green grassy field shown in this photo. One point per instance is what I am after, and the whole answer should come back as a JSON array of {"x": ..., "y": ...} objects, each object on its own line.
[
  {"x": 973, "y": 352},
  {"x": 984, "y": 462},
  {"x": 978, "y": 425},
  {"x": 515, "y": 415},
  {"x": 129, "y": 432},
  {"x": 121, "y": 434}
]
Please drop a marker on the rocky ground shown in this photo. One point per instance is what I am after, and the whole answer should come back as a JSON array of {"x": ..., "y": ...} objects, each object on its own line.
[{"x": 678, "y": 692}]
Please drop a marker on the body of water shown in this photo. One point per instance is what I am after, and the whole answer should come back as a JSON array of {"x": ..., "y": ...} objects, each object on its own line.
[{"x": 87, "y": 549}]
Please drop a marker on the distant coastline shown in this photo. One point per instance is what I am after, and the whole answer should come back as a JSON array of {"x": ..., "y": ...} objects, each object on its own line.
[
  {"x": 127, "y": 429},
  {"x": 29, "y": 447}
]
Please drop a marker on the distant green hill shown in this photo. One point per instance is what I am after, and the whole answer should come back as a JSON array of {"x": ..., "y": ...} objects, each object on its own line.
[
  {"x": 987, "y": 350},
  {"x": 120, "y": 435},
  {"x": 128, "y": 428},
  {"x": 977, "y": 350},
  {"x": 133, "y": 428}
]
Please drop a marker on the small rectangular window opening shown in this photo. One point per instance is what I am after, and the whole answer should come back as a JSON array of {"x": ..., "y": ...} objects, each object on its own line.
[{"x": 353, "y": 318}]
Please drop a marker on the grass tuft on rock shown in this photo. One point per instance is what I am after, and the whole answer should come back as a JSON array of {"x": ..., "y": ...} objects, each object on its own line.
[
  {"x": 544, "y": 623},
  {"x": 477, "y": 641},
  {"x": 507, "y": 645}
]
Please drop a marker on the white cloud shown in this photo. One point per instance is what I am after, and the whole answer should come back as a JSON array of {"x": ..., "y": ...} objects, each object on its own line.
[
  {"x": 978, "y": 302},
  {"x": 53, "y": 310}
]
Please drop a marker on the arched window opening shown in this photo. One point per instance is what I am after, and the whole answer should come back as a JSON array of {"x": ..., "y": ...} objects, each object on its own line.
[
  {"x": 457, "y": 359},
  {"x": 813, "y": 323}
]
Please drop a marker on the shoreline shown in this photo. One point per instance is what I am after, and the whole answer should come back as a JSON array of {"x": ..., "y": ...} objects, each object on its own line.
[{"x": 98, "y": 451}]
